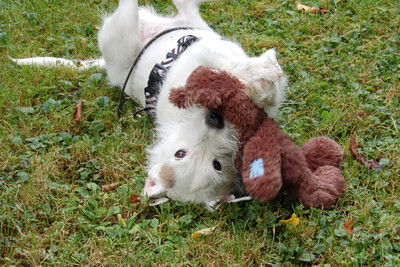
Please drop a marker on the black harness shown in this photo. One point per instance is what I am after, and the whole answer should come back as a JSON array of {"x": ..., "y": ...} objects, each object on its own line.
[{"x": 158, "y": 73}]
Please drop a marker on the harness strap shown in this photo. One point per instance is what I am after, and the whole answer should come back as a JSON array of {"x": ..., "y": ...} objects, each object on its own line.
[
  {"x": 124, "y": 97},
  {"x": 159, "y": 72}
]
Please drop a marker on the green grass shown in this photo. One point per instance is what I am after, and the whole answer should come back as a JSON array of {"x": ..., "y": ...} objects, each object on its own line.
[{"x": 344, "y": 77}]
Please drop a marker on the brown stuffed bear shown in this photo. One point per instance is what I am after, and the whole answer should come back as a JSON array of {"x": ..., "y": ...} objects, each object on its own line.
[{"x": 267, "y": 159}]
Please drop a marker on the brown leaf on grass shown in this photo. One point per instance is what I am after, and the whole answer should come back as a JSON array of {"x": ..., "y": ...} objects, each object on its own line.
[
  {"x": 353, "y": 146},
  {"x": 78, "y": 111},
  {"x": 354, "y": 151},
  {"x": 348, "y": 227},
  {"x": 375, "y": 165},
  {"x": 301, "y": 7},
  {"x": 69, "y": 175},
  {"x": 371, "y": 164},
  {"x": 134, "y": 199},
  {"x": 106, "y": 188}
]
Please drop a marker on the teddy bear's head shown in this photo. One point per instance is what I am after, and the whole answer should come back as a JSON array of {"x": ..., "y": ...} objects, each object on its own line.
[{"x": 225, "y": 98}]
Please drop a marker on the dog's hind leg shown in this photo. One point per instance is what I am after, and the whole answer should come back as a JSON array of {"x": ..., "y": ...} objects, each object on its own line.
[{"x": 119, "y": 41}]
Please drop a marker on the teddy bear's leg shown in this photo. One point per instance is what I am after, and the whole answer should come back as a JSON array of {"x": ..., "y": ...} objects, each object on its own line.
[
  {"x": 294, "y": 169},
  {"x": 319, "y": 188},
  {"x": 323, "y": 189},
  {"x": 322, "y": 151}
]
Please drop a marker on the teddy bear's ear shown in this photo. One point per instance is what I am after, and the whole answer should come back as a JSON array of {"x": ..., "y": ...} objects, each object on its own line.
[
  {"x": 203, "y": 87},
  {"x": 183, "y": 97},
  {"x": 261, "y": 167},
  {"x": 179, "y": 97}
]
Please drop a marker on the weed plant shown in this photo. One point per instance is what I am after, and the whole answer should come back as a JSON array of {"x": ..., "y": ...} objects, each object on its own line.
[{"x": 343, "y": 69}]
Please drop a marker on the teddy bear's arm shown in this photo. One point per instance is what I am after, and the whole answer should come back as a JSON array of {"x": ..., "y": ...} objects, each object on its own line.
[{"x": 261, "y": 168}]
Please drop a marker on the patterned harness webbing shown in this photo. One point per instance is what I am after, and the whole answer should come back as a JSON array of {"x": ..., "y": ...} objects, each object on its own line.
[
  {"x": 123, "y": 97},
  {"x": 159, "y": 72}
]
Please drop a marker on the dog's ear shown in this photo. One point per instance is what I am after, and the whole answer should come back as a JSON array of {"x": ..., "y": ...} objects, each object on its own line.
[{"x": 261, "y": 167}]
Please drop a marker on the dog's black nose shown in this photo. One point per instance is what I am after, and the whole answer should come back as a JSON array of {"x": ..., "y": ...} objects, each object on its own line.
[{"x": 214, "y": 120}]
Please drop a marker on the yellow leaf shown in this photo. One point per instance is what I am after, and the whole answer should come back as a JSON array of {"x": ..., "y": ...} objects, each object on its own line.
[
  {"x": 301, "y": 7},
  {"x": 290, "y": 223},
  {"x": 205, "y": 231}
]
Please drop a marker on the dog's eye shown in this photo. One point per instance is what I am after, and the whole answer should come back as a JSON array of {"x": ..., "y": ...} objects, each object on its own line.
[
  {"x": 180, "y": 154},
  {"x": 217, "y": 166},
  {"x": 214, "y": 120}
]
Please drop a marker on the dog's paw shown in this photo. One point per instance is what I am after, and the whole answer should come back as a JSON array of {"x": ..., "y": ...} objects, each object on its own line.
[{"x": 265, "y": 81}]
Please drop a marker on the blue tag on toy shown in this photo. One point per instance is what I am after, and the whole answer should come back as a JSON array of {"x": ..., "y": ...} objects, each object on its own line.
[{"x": 256, "y": 168}]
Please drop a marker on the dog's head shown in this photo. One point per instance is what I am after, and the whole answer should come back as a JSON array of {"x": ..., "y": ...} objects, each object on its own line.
[
  {"x": 192, "y": 161},
  {"x": 194, "y": 158}
]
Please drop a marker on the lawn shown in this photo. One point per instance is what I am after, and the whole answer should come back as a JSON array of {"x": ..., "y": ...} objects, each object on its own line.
[{"x": 344, "y": 82}]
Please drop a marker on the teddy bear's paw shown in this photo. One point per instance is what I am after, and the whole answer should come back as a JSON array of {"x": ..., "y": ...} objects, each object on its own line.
[
  {"x": 327, "y": 187},
  {"x": 322, "y": 151}
]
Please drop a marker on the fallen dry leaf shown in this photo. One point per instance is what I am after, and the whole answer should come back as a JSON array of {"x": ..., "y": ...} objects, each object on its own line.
[
  {"x": 348, "y": 227},
  {"x": 78, "y": 111},
  {"x": 205, "y": 231},
  {"x": 106, "y": 188},
  {"x": 353, "y": 146},
  {"x": 301, "y": 7},
  {"x": 354, "y": 151},
  {"x": 375, "y": 165},
  {"x": 69, "y": 175},
  {"x": 371, "y": 164},
  {"x": 134, "y": 198},
  {"x": 290, "y": 223}
]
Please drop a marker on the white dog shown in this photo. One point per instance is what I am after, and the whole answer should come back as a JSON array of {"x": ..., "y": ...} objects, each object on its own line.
[{"x": 189, "y": 161}]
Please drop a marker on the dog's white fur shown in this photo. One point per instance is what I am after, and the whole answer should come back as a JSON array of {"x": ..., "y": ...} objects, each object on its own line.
[{"x": 193, "y": 177}]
